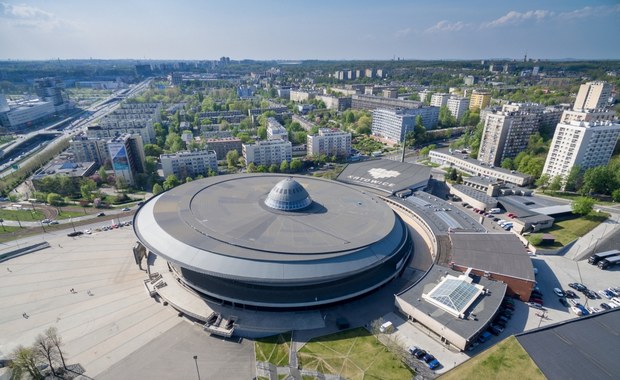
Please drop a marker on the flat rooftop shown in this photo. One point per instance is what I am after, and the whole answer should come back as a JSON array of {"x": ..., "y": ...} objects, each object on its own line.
[
  {"x": 580, "y": 348},
  {"x": 495, "y": 253},
  {"x": 484, "y": 307},
  {"x": 386, "y": 175}
]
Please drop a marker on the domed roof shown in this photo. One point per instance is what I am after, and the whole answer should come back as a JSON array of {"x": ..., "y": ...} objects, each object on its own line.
[{"x": 288, "y": 195}]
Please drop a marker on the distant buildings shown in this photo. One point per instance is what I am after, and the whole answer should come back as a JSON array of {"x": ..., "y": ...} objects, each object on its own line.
[
  {"x": 479, "y": 99},
  {"x": 133, "y": 118},
  {"x": 394, "y": 124},
  {"x": 268, "y": 152},
  {"x": 329, "y": 142},
  {"x": 301, "y": 96},
  {"x": 52, "y": 90},
  {"x": 335, "y": 103},
  {"x": 581, "y": 144},
  {"x": 189, "y": 164},
  {"x": 23, "y": 113},
  {"x": 439, "y": 99},
  {"x": 371, "y": 102}
]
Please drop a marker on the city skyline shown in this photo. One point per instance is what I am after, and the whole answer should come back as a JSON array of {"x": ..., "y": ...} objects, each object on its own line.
[{"x": 71, "y": 29}]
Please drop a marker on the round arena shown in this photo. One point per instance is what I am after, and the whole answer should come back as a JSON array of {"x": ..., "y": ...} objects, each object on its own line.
[{"x": 274, "y": 241}]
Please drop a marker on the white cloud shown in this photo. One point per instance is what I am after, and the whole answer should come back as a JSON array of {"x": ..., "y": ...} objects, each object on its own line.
[
  {"x": 586, "y": 12},
  {"x": 23, "y": 11},
  {"x": 516, "y": 18},
  {"x": 447, "y": 26},
  {"x": 29, "y": 17}
]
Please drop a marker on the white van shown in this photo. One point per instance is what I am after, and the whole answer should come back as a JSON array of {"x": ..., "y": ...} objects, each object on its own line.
[
  {"x": 495, "y": 211},
  {"x": 387, "y": 327}
]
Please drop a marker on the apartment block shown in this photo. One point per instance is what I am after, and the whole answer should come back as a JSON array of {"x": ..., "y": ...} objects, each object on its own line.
[
  {"x": 439, "y": 99},
  {"x": 505, "y": 134},
  {"x": 582, "y": 144},
  {"x": 189, "y": 163},
  {"x": 223, "y": 145},
  {"x": 457, "y": 106},
  {"x": 85, "y": 149},
  {"x": 268, "y": 152},
  {"x": 394, "y": 124},
  {"x": 329, "y": 142},
  {"x": 479, "y": 99},
  {"x": 275, "y": 130},
  {"x": 592, "y": 96}
]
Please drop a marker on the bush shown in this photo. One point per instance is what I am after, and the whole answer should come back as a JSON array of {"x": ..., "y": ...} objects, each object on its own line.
[{"x": 536, "y": 239}]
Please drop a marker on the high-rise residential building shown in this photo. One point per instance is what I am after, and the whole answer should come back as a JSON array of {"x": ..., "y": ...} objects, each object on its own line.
[
  {"x": 424, "y": 94},
  {"x": 507, "y": 132},
  {"x": 479, "y": 99},
  {"x": 394, "y": 124},
  {"x": 329, "y": 142},
  {"x": 457, "y": 106},
  {"x": 592, "y": 96},
  {"x": 590, "y": 115},
  {"x": 275, "y": 130},
  {"x": 127, "y": 156},
  {"x": 189, "y": 163},
  {"x": 132, "y": 118},
  {"x": 439, "y": 99},
  {"x": 84, "y": 149},
  {"x": 268, "y": 152},
  {"x": 223, "y": 145},
  {"x": 581, "y": 144}
]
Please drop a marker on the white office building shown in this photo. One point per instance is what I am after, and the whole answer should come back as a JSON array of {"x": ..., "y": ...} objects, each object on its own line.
[
  {"x": 582, "y": 144},
  {"x": 268, "y": 152},
  {"x": 330, "y": 142},
  {"x": 189, "y": 163}
]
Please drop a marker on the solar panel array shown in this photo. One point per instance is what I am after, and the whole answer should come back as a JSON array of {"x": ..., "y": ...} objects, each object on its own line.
[{"x": 455, "y": 294}]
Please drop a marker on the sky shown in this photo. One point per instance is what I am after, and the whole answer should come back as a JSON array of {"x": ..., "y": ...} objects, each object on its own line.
[{"x": 315, "y": 29}]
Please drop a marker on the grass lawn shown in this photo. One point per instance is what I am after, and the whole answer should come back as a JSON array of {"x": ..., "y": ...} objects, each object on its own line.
[
  {"x": 566, "y": 231},
  {"x": 572, "y": 197},
  {"x": 273, "y": 349},
  {"x": 70, "y": 214},
  {"x": 26, "y": 215},
  {"x": 506, "y": 360},
  {"x": 353, "y": 354}
]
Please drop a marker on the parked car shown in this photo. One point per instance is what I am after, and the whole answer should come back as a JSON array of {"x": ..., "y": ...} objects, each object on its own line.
[
  {"x": 420, "y": 354},
  {"x": 537, "y": 300},
  {"x": 605, "y": 306},
  {"x": 434, "y": 364},
  {"x": 101, "y": 214},
  {"x": 75, "y": 233},
  {"x": 578, "y": 287},
  {"x": 590, "y": 294},
  {"x": 570, "y": 294},
  {"x": 46, "y": 221},
  {"x": 564, "y": 302},
  {"x": 559, "y": 292},
  {"x": 126, "y": 209},
  {"x": 428, "y": 358},
  {"x": 54, "y": 222},
  {"x": 534, "y": 305},
  {"x": 413, "y": 350}
]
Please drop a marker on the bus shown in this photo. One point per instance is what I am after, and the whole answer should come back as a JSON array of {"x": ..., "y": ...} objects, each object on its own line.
[
  {"x": 609, "y": 262},
  {"x": 594, "y": 259}
]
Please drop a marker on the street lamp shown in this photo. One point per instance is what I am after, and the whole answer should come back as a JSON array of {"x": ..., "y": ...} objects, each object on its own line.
[
  {"x": 196, "y": 361},
  {"x": 2, "y": 223}
]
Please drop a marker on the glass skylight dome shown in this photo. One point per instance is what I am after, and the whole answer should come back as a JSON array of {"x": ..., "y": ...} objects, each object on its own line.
[{"x": 288, "y": 195}]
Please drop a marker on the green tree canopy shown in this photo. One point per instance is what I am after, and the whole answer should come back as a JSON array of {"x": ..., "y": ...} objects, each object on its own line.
[
  {"x": 170, "y": 182},
  {"x": 583, "y": 205},
  {"x": 157, "y": 189}
]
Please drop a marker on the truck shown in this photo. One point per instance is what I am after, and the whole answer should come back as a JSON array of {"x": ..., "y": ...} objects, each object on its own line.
[
  {"x": 594, "y": 259},
  {"x": 387, "y": 327},
  {"x": 609, "y": 262}
]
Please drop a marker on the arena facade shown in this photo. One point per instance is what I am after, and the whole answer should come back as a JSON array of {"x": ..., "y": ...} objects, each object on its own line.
[{"x": 273, "y": 241}]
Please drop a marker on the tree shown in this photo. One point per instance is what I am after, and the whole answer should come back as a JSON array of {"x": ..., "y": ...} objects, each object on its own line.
[
  {"x": 252, "y": 168},
  {"x": 45, "y": 350},
  {"x": 615, "y": 195},
  {"x": 446, "y": 119},
  {"x": 508, "y": 163},
  {"x": 170, "y": 182},
  {"x": 157, "y": 189},
  {"x": 284, "y": 166},
  {"x": 599, "y": 180},
  {"x": 583, "y": 205},
  {"x": 273, "y": 168},
  {"x": 296, "y": 165},
  {"x": 24, "y": 360},
  {"x": 87, "y": 188},
  {"x": 261, "y": 132},
  {"x": 54, "y": 199},
  {"x": 120, "y": 183},
  {"x": 152, "y": 150},
  {"x": 102, "y": 173},
  {"x": 232, "y": 158},
  {"x": 574, "y": 179},
  {"x": 261, "y": 169},
  {"x": 543, "y": 182},
  {"x": 556, "y": 183}
]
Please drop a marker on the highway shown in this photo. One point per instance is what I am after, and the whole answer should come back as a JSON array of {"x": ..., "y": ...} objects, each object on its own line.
[{"x": 83, "y": 120}]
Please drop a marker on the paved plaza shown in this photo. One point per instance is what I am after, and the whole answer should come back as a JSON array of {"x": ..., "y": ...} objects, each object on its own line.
[{"x": 102, "y": 329}]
